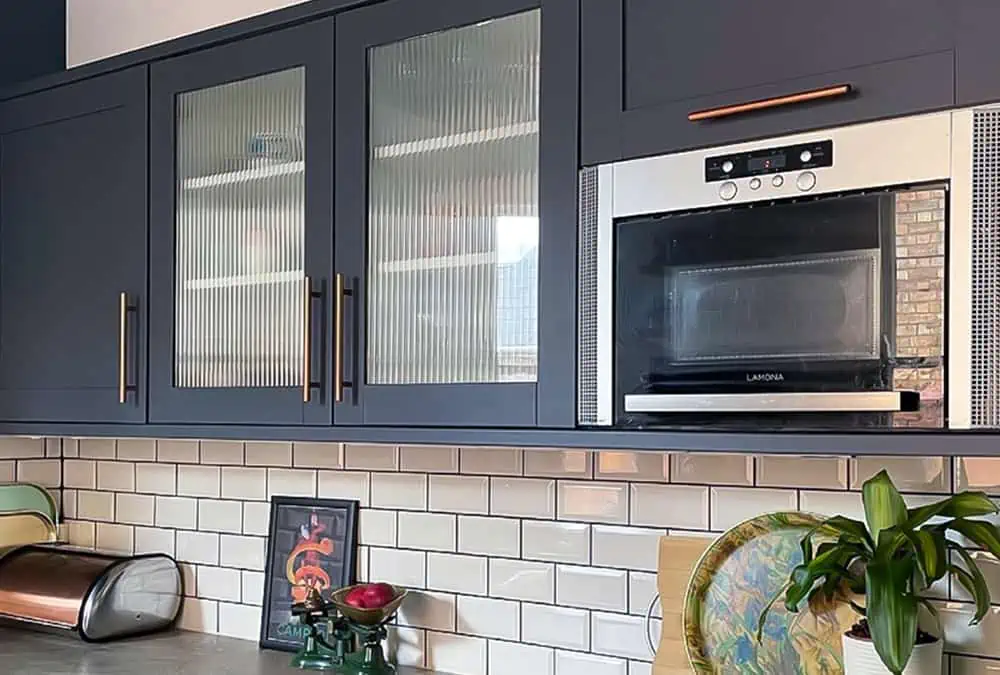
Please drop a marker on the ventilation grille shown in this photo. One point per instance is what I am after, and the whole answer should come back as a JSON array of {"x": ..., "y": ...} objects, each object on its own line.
[
  {"x": 587, "y": 347},
  {"x": 986, "y": 269}
]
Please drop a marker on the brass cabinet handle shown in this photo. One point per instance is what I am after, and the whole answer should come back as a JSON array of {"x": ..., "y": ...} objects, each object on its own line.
[
  {"x": 122, "y": 346},
  {"x": 307, "y": 340},
  {"x": 338, "y": 340},
  {"x": 764, "y": 104}
]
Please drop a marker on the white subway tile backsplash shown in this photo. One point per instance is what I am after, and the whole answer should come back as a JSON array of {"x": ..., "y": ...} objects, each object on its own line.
[
  {"x": 555, "y": 541},
  {"x": 154, "y": 540},
  {"x": 641, "y": 591},
  {"x": 961, "y": 638},
  {"x": 217, "y": 583},
  {"x": 95, "y": 506},
  {"x": 523, "y": 497},
  {"x": 832, "y": 504},
  {"x": 252, "y": 591},
  {"x": 201, "y": 616},
  {"x": 116, "y": 476},
  {"x": 91, "y": 448},
  {"x": 592, "y": 588},
  {"x": 189, "y": 577},
  {"x": 978, "y": 473},
  {"x": 222, "y": 452},
  {"x": 198, "y": 481},
  {"x": 399, "y": 491},
  {"x": 179, "y": 452},
  {"x": 80, "y": 473},
  {"x": 406, "y": 646},
  {"x": 802, "y": 472},
  {"x": 402, "y": 568},
  {"x": 509, "y": 658},
  {"x": 136, "y": 450},
  {"x": 596, "y": 502},
  {"x": 259, "y": 453},
  {"x": 44, "y": 472},
  {"x": 432, "y": 611},
  {"x": 677, "y": 506},
  {"x": 53, "y": 447},
  {"x": 177, "y": 512},
  {"x": 731, "y": 506},
  {"x": 114, "y": 538},
  {"x": 291, "y": 483},
  {"x": 198, "y": 547},
  {"x": 244, "y": 483},
  {"x": 967, "y": 665},
  {"x": 489, "y": 617},
  {"x": 256, "y": 517},
  {"x": 575, "y": 663},
  {"x": 492, "y": 461},
  {"x": 522, "y": 580},
  {"x": 633, "y": 466},
  {"x": 371, "y": 457},
  {"x": 216, "y": 515},
  {"x": 243, "y": 552},
  {"x": 456, "y": 573},
  {"x": 711, "y": 469},
  {"x": 345, "y": 485},
  {"x": 156, "y": 478},
  {"x": 68, "y": 503},
  {"x": 489, "y": 536},
  {"x": 318, "y": 455},
  {"x": 239, "y": 621},
  {"x": 909, "y": 474},
  {"x": 626, "y": 547},
  {"x": 427, "y": 531},
  {"x": 558, "y": 464},
  {"x": 80, "y": 533},
  {"x": 19, "y": 447},
  {"x": 428, "y": 459},
  {"x": 619, "y": 635},
  {"x": 459, "y": 494},
  {"x": 555, "y": 626},
  {"x": 377, "y": 528},
  {"x": 451, "y": 653},
  {"x": 135, "y": 509}
]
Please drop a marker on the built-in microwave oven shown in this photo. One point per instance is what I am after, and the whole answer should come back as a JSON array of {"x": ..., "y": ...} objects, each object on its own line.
[{"x": 839, "y": 279}]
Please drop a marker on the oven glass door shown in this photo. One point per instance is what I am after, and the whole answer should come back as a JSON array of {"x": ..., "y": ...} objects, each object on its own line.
[{"x": 786, "y": 312}]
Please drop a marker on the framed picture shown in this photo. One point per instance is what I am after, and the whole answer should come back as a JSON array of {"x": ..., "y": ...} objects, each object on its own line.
[{"x": 312, "y": 543}]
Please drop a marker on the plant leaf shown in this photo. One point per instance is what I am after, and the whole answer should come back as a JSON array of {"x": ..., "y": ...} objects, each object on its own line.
[
  {"x": 973, "y": 580},
  {"x": 884, "y": 506},
  {"x": 964, "y": 505},
  {"x": 979, "y": 532},
  {"x": 853, "y": 530},
  {"x": 929, "y": 546},
  {"x": 892, "y": 610}
]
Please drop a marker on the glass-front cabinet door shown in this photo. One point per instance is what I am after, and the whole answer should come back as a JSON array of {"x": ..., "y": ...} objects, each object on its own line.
[
  {"x": 241, "y": 231},
  {"x": 438, "y": 213}
]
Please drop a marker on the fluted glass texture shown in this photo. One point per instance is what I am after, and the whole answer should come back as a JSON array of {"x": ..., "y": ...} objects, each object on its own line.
[
  {"x": 240, "y": 226},
  {"x": 453, "y": 206}
]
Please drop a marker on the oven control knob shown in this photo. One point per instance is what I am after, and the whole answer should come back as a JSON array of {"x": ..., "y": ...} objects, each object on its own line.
[
  {"x": 778, "y": 181},
  {"x": 806, "y": 156},
  {"x": 806, "y": 181},
  {"x": 728, "y": 190},
  {"x": 727, "y": 167},
  {"x": 755, "y": 183}
]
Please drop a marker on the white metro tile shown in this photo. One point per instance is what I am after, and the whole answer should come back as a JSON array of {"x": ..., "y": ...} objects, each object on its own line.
[
  {"x": 428, "y": 459},
  {"x": 20, "y": 447},
  {"x": 450, "y": 653},
  {"x": 575, "y": 663},
  {"x": 909, "y": 474},
  {"x": 802, "y": 472},
  {"x": 8, "y": 471},
  {"x": 200, "y": 616},
  {"x": 256, "y": 517},
  {"x": 711, "y": 469},
  {"x": 402, "y": 568},
  {"x": 134, "y": 509},
  {"x": 456, "y": 573},
  {"x": 555, "y": 541},
  {"x": 509, "y": 658},
  {"x": 492, "y": 461},
  {"x": 399, "y": 491},
  {"x": 68, "y": 500},
  {"x": 966, "y": 665},
  {"x": 244, "y": 483},
  {"x": 619, "y": 635},
  {"x": 215, "y": 515},
  {"x": 427, "y": 531},
  {"x": 252, "y": 592},
  {"x": 116, "y": 538},
  {"x": 198, "y": 547},
  {"x": 555, "y": 626},
  {"x": 239, "y": 621},
  {"x": 846, "y": 504},
  {"x": 433, "y": 611},
  {"x": 592, "y": 587},
  {"x": 626, "y": 547},
  {"x": 136, "y": 449},
  {"x": 44, "y": 472},
  {"x": 371, "y": 457},
  {"x": 217, "y": 583},
  {"x": 489, "y": 536},
  {"x": 80, "y": 474},
  {"x": 633, "y": 466},
  {"x": 156, "y": 478},
  {"x": 189, "y": 578},
  {"x": 115, "y": 476},
  {"x": 489, "y": 617},
  {"x": 641, "y": 591},
  {"x": 178, "y": 512},
  {"x": 459, "y": 494},
  {"x": 80, "y": 533},
  {"x": 243, "y": 552},
  {"x": 990, "y": 568},
  {"x": 259, "y": 453},
  {"x": 680, "y": 506},
  {"x": 344, "y": 485},
  {"x": 182, "y": 452},
  {"x": 558, "y": 463},
  {"x": 53, "y": 447},
  {"x": 731, "y": 506},
  {"x": 640, "y": 668},
  {"x": 318, "y": 455},
  {"x": 522, "y": 580},
  {"x": 961, "y": 638},
  {"x": 523, "y": 497},
  {"x": 198, "y": 481},
  {"x": 222, "y": 452},
  {"x": 593, "y": 501},
  {"x": 978, "y": 473},
  {"x": 377, "y": 528},
  {"x": 97, "y": 448},
  {"x": 406, "y": 646},
  {"x": 153, "y": 540},
  {"x": 291, "y": 483},
  {"x": 95, "y": 506}
]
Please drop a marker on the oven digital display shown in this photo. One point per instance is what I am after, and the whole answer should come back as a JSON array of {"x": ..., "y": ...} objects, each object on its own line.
[{"x": 769, "y": 163}]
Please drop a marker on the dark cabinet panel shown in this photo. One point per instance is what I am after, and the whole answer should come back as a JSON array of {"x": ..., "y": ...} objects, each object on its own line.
[
  {"x": 73, "y": 303},
  {"x": 241, "y": 190},
  {"x": 32, "y": 39},
  {"x": 977, "y": 51},
  {"x": 647, "y": 64}
]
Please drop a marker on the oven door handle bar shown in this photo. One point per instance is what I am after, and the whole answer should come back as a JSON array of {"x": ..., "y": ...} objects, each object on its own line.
[
  {"x": 777, "y": 402},
  {"x": 767, "y": 103}
]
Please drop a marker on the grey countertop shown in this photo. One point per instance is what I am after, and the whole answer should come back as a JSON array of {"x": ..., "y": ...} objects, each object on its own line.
[{"x": 177, "y": 653}]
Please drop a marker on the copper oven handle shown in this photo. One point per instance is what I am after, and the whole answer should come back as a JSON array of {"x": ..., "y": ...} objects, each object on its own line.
[
  {"x": 764, "y": 104},
  {"x": 122, "y": 346},
  {"x": 307, "y": 340},
  {"x": 338, "y": 340}
]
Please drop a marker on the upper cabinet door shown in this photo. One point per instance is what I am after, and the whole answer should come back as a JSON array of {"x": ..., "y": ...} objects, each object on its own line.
[
  {"x": 73, "y": 302},
  {"x": 977, "y": 51},
  {"x": 439, "y": 212},
  {"x": 648, "y": 64},
  {"x": 241, "y": 231}
]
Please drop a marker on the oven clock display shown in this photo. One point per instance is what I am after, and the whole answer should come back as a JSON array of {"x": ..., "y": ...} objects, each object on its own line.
[{"x": 769, "y": 160}]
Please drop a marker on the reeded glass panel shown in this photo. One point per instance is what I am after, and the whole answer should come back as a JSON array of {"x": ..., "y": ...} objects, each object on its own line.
[
  {"x": 239, "y": 233},
  {"x": 453, "y": 206}
]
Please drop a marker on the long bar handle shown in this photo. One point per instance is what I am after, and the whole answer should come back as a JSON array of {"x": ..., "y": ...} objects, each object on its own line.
[
  {"x": 338, "y": 339},
  {"x": 776, "y": 102},
  {"x": 307, "y": 297},
  {"x": 122, "y": 347}
]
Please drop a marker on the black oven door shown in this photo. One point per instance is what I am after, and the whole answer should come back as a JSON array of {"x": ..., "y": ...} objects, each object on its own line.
[{"x": 818, "y": 313}]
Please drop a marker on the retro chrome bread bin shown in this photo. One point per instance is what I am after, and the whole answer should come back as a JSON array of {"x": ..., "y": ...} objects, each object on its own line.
[{"x": 97, "y": 596}]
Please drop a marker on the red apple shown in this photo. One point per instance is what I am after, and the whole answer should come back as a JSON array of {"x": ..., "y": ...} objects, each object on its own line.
[
  {"x": 356, "y": 597},
  {"x": 378, "y": 595}
]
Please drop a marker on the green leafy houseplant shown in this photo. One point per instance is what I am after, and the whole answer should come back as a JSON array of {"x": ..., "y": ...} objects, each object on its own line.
[{"x": 892, "y": 559}]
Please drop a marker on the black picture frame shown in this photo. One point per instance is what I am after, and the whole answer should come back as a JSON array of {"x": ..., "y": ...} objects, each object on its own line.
[{"x": 291, "y": 519}]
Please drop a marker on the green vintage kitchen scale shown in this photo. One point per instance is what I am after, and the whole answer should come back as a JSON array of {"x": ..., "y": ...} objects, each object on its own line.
[{"x": 346, "y": 627}]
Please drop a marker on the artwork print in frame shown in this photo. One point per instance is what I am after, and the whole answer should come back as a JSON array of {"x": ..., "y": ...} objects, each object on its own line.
[{"x": 311, "y": 543}]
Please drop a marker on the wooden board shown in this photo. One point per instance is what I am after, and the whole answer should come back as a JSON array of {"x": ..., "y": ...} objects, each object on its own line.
[{"x": 677, "y": 559}]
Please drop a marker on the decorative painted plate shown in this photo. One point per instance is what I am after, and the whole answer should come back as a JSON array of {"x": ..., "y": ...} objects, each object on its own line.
[{"x": 733, "y": 582}]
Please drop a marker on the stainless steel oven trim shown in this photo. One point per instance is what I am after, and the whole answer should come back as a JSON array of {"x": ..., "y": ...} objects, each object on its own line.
[
  {"x": 782, "y": 402},
  {"x": 958, "y": 337},
  {"x": 605, "y": 291}
]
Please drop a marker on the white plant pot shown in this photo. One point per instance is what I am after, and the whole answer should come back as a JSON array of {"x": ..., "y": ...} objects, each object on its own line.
[{"x": 860, "y": 658}]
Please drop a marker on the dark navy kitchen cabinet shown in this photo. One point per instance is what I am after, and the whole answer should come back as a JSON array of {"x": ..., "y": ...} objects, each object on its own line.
[
  {"x": 73, "y": 302},
  {"x": 456, "y": 169},
  {"x": 241, "y": 227},
  {"x": 649, "y": 64},
  {"x": 977, "y": 51},
  {"x": 32, "y": 39}
]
